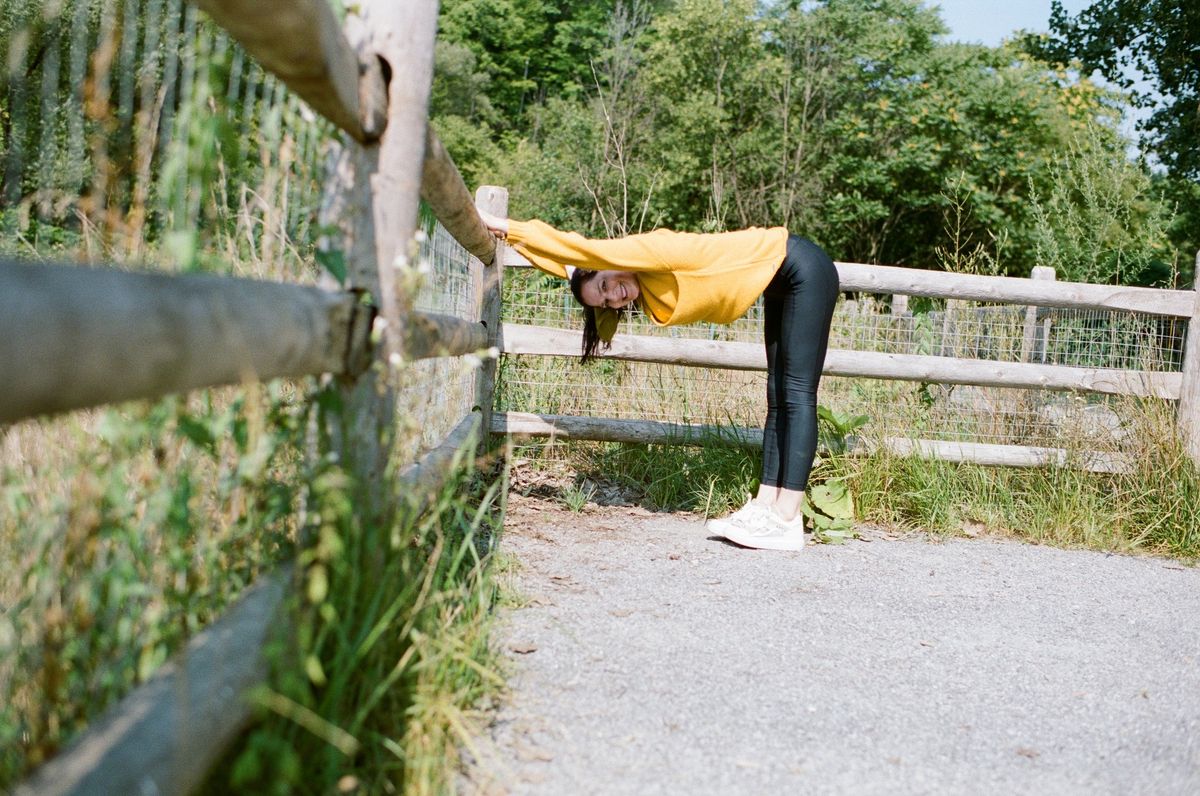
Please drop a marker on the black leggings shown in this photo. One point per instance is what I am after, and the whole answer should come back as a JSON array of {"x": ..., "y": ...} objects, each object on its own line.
[{"x": 798, "y": 306}]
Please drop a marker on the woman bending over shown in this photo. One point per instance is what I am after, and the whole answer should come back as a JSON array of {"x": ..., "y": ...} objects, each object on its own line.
[{"x": 683, "y": 277}]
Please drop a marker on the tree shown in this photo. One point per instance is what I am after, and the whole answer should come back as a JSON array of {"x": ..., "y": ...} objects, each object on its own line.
[
  {"x": 530, "y": 50},
  {"x": 1154, "y": 40},
  {"x": 848, "y": 121},
  {"x": 1128, "y": 39}
]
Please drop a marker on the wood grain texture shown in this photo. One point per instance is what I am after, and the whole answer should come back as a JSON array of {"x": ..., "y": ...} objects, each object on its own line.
[
  {"x": 539, "y": 340},
  {"x": 603, "y": 429},
  {"x": 79, "y": 337},
  {"x": 489, "y": 284},
  {"x": 301, "y": 43},
  {"x": 443, "y": 189}
]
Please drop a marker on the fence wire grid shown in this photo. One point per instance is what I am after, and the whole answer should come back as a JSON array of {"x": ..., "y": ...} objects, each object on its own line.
[
  {"x": 136, "y": 134},
  {"x": 954, "y": 328}
]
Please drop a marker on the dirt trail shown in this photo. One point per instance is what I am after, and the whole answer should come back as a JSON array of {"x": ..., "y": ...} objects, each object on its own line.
[{"x": 650, "y": 657}]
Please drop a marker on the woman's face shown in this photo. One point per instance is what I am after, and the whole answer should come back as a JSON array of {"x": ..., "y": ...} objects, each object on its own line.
[{"x": 613, "y": 289}]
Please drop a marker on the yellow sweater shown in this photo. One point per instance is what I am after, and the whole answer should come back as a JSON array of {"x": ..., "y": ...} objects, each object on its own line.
[{"x": 684, "y": 276}]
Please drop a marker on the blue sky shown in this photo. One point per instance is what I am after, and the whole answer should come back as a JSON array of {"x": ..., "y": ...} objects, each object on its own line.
[{"x": 988, "y": 21}]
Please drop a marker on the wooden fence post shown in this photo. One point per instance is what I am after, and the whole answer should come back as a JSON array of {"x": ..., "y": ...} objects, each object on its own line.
[
  {"x": 951, "y": 322},
  {"x": 1189, "y": 393},
  {"x": 489, "y": 284},
  {"x": 373, "y": 199},
  {"x": 403, "y": 35},
  {"x": 1030, "y": 338}
]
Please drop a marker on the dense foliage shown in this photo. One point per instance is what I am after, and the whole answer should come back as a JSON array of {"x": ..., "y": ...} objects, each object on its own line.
[
  {"x": 853, "y": 122},
  {"x": 1151, "y": 49}
]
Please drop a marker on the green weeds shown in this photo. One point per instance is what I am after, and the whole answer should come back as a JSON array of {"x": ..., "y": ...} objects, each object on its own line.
[
  {"x": 576, "y": 497},
  {"x": 123, "y": 533},
  {"x": 376, "y": 690},
  {"x": 1153, "y": 507},
  {"x": 126, "y": 532}
]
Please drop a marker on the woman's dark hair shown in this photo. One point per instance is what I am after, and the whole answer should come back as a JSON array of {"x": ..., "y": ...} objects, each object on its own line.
[{"x": 591, "y": 329}]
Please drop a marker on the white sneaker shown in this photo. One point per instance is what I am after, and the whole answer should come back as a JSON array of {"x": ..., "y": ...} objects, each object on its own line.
[
  {"x": 752, "y": 512},
  {"x": 766, "y": 531}
]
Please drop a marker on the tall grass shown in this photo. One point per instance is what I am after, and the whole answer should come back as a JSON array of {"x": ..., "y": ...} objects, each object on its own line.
[
  {"x": 1153, "y": 507},
  {"x": 376, "y": 691},
  {"x": 123, "y": 532},
  {"x": 155, "y": 142}
]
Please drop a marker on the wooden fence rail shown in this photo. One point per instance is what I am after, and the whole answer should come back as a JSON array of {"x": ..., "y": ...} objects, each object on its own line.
[
  {"x": 84, "y": 337},
  {"x": 546, "y": 341},
  {"x": 1013, "y": 290},
  {"x": 164, "y": 737},
  {"x": 653, "y": 432},
  {"x": 302, "y": 43},
  {"x": 860, "y": 278},
  {"x": 1183, "y": 386},
  {"x": 79, "y": 337}
]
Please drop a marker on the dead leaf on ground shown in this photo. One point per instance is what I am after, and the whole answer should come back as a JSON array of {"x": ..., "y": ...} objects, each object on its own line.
[
  {"x": 973, "y": 529},
  {"x": 529, "y": 754},
  {"x": 523, "y": 647},
  {"x": 621, "y": 613}
]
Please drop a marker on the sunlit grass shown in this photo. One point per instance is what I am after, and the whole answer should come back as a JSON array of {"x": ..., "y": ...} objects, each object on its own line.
[
  {"x": 391, "y": 652},
  {"x": 123, "y": 533}
]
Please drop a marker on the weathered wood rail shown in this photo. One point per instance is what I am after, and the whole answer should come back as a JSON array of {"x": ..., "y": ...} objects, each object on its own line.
[
  {"x": 1183, "y": 386},
  {"x": 75, "y": 337}
]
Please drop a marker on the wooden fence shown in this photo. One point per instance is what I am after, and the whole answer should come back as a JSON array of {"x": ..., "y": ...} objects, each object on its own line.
[
  {"x": 75, "y": 338},
  {"x": 1039, "y": 292}
]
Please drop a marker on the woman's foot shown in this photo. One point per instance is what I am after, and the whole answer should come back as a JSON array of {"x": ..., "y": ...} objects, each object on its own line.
[
  {"x": 761, "y": 528},
  {"x": 747, "y": 514}
]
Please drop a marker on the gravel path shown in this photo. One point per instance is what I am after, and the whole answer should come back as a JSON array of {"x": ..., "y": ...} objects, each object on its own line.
[{"x": 650, "y": 657}]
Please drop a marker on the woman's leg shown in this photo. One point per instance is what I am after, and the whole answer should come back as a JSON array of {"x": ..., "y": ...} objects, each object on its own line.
[
  {"x": 773, "y": 437},
  {"x": 804, "y": 292}
]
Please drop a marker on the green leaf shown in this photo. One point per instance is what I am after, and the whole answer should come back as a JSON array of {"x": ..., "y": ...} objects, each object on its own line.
[
  {"x": 198, "y": 432},
  {"x": 334, "y": 261},
  {"x": 833, "y": 499}
]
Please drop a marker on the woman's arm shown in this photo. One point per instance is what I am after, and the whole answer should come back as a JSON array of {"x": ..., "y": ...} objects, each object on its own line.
[
  {"x": 545, "y": 245},
  {"x": 496, "y": 225}
]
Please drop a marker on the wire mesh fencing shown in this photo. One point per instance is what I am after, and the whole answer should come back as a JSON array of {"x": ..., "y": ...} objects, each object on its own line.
[
  {"x": 135, "y": 133},
  {"x": 954, "y": 328},
  {"x": 436, "y": 393}
]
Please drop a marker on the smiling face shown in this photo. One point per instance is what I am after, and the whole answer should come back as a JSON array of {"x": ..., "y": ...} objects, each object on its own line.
[{"x": 612, "y": 289}]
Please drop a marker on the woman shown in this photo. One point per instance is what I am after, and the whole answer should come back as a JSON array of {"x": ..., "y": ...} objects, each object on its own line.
[{"x": 680, "y": 277}]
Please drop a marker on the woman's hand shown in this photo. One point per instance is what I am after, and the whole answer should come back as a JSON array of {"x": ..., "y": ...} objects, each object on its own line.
[{"x": 496, "y": 225}]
